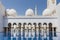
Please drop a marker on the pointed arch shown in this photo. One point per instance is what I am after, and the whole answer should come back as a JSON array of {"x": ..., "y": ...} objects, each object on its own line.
[
  {"x": 35, "y": 24},
  {"x": 9, "y": 26},
  {"x": 14, "y": 24},
  {"x": 50, "y": 30},
  {"x": 24, "y": 25},
  {"x": 39, "y": 24},
  {"x": 29, "y": 23},
  {"x": 50, "y": 24},
  {"x": 19, "y": 25},
  {"x": 44, "y": 23}
]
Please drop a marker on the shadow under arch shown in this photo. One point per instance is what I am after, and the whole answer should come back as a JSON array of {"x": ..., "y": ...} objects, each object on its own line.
[
  {"x": 35, "y": 24},
  {"x": 50, "y": 27},
  {"x": 19, "y": 25},
  {"x": 44, "y": 23},
  {"x": 29, "y": 23},
  {"x": 50, "y": 24},
  {"x": 24, "y": 26},
  {"x": 9, "y": 27},
  {"x": 29, "y": 26},
  {"x": 50, "y": 31},
  {"x": 39, "y": 25},
  {"x": 14, "y": 24},
  {"x": 45, "y": 26}
]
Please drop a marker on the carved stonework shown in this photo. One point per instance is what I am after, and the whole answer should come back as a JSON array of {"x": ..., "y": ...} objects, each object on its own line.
[
  {"x": 48, "y": 3},
  {"x": 54, "y": 11},
  {"x": 53, "y": 1}
]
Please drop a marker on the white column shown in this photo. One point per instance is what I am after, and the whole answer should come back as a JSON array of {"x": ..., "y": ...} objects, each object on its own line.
[
  {"x": 42, "y": 33},
  {"x": 37, "y": 31},
  {"x": 22, "y": 31},
  {"x": 45, "y": 31},
  {"x": 33, "y": 31},
  {"x": 26, "y": 31},
  {"x": 30, "y": 31}
]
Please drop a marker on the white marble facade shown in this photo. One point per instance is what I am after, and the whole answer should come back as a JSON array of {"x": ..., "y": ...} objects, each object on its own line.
[{"x": 50, "y": 15}]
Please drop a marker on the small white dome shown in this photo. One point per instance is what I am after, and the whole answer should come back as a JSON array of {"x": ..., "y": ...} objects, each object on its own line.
[
  {"x": 47, "y": 12},
  {"x": 11, "y": 12},
  {"x": 29, "y": 12}
]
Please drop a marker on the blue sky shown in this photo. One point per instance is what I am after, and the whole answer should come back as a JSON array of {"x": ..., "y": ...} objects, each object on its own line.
[{"x": 22, "y": 5}]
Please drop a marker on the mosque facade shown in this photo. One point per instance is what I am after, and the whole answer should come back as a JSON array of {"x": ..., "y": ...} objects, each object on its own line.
[{"x": 31, "y": 26}]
